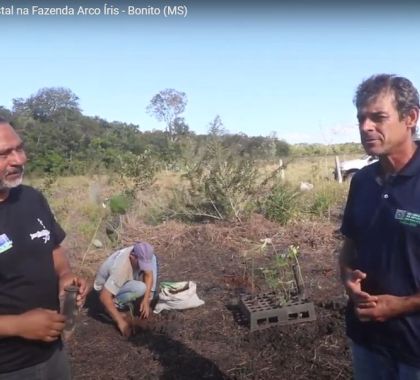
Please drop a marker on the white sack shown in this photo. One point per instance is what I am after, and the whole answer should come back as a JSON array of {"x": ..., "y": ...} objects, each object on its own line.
[{"x": 171, "y": 297}]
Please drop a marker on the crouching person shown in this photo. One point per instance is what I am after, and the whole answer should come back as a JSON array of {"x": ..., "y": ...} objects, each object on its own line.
[{"x": 128, "y": 275}]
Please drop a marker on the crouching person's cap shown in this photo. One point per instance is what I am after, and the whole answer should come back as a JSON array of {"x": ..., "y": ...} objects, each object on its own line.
[{"x": 144, "y": 254}]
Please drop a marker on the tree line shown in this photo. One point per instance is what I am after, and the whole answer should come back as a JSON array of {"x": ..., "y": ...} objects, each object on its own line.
[{"x": 61, "y": 140}]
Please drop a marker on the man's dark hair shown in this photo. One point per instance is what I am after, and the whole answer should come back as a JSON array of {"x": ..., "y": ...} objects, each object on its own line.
[{"x": 405, "y": 94}]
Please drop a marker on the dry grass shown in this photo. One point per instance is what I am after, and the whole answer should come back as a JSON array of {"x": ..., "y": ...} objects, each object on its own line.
[{"x": 77, "y": 204}]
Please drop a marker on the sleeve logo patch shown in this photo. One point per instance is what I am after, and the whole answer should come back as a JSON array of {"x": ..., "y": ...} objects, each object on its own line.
[
  {"x": 5, "y": 243},
  {"x": 44, "y": 234},
  {"x": 407, "y": 218}
]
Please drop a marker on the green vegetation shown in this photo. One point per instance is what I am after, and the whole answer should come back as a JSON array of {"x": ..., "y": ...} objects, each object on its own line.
[
  {"x": 283, "y": 276},
  {"x": 160, "y": 175},
  {"x": 221, "y": 184},
  {"x": 119, "y": 204},
  {"x": 281, "y": 204},
  {"x": 60, "y": 140}
]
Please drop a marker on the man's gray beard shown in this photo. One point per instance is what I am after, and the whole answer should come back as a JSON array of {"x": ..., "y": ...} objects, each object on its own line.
[{"x": 7, "y": 185}]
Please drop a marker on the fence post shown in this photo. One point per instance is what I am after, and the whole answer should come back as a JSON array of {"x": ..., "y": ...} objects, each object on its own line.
[
  {"x": 282, "y": 174},
  {"x": 339, "y": 177}
]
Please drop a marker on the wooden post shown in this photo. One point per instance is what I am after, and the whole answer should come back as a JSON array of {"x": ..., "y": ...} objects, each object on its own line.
[
  {"x": 337, "y": 170},
  {"x": 281, "y": 169}
]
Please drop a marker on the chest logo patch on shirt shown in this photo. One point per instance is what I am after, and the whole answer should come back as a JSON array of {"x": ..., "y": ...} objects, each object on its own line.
[
  {"x": 407, "y": 218},
  {"x": 5, "y": 243},
  {"x": 41, "y": 234}
]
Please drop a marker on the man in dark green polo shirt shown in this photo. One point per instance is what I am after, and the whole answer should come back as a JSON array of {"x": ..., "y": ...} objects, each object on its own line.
[{"x": 380, "y": 258}]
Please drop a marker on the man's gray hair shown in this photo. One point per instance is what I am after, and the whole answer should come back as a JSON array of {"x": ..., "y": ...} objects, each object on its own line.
[{"x": 405, "y": 94}]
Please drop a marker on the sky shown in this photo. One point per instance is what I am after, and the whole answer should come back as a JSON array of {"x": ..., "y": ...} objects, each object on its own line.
[{"x": 285, "y": 67}]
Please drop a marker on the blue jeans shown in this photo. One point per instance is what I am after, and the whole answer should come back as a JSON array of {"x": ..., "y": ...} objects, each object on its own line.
[
  {"x": 55, "y": 368},
  {"x": 129, "y": 292},
  {"x": 369, "y": 365}
]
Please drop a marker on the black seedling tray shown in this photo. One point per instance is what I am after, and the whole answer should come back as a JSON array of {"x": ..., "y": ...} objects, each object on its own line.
[{"x": 264, "y": 310}]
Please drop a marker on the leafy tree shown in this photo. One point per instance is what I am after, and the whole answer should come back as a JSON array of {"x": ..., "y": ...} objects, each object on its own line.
[
  {"x": 216, "y": 127},
  {"x": 5, "y": 113},
  {"x": 166, "y": 106},
  {"x": 180, "y": 127},
  {"x": 48, "y": 103},
  {"x": 282, "y": 148}
]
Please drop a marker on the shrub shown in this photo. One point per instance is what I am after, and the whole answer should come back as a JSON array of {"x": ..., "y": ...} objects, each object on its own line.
[
  {"x": 281, "y": 204},
  {"x": 321, "y": 205},
  {"x": 325, "y": 198},
  {"x": 137, "y": 172},
  {"x": 221, "y": 186},
  {"x": 119, "y": 204}
]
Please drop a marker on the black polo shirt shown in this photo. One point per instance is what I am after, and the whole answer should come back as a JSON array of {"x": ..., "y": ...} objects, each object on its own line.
[
  {"x": 383, "y": 220},
  {"x": 28, "y": 235}
]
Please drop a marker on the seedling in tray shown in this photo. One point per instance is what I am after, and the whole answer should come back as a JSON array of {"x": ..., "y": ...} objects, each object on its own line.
[
  {"x": 284, "y": 275},
  {"x": 286, "y": 303}
]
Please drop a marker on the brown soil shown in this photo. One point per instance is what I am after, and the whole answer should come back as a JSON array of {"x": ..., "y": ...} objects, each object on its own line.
[{"x": 210, "y": 342}]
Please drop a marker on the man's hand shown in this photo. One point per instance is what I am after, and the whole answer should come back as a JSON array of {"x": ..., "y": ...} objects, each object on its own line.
[
  {"x": 387, "y": 307},
  {"x": 122, "y": 321},
  {"x": 40, "y": 324},
  {"x": 66, "y": 277},
  {"x": 145, "y": 303},
  {"x": 145, "y": 308},
  {"x": 71, "y": 279},
  {"x": 124, "y": 327},
  {"x": 353, "y": 286}
]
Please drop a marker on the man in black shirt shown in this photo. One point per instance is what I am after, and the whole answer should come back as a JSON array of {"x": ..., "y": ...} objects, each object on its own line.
[{"x": 33, "y": 273}]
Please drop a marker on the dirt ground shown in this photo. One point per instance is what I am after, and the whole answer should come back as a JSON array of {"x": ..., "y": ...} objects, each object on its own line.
[{"x": 211, "y": 342}]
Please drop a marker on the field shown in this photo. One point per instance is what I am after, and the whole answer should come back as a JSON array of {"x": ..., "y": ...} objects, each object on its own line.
[{"x": 226, "y": 258}]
